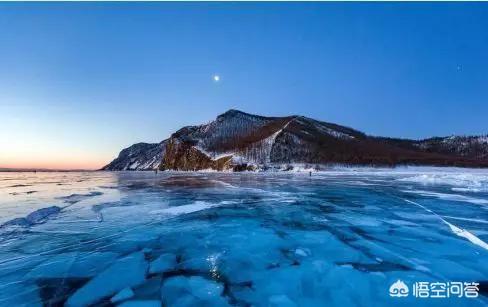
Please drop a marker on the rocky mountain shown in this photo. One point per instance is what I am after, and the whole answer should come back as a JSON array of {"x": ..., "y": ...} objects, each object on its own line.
[
  {"x": 140, "y": 156},
  {"x": 240, "y": 141}
]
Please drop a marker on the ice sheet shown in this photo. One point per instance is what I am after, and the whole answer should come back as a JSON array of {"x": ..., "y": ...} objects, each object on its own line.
[{"x": 339, "y": 237}]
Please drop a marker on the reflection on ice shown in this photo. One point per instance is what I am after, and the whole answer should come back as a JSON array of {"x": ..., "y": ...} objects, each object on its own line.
[{"x": 338, "y": 238}]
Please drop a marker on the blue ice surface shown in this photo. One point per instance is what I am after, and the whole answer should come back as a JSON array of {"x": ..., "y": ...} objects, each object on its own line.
[
  {"x": 123, "y": 295},
  {"x": 32, "y": 218},
  {"x": 336, "y": 238}
]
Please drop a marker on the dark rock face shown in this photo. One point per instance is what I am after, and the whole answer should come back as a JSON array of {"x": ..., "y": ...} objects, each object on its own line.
[
  {"x": 183, "y": 156},
  {"x": 239, "y": 141}
]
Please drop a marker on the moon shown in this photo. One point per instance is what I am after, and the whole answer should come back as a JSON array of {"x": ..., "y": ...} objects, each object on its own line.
[{"x": 216, "y": 78}]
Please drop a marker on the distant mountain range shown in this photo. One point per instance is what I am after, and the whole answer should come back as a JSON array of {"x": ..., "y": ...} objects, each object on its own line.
[{"x": 240, "y": 141}]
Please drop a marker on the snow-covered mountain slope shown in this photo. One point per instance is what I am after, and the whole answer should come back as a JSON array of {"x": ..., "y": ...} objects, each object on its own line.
[
  {"x": 140, "y": 156},
  {"x": 238, "y": 141},
  {"x": 466, "y": 146}
]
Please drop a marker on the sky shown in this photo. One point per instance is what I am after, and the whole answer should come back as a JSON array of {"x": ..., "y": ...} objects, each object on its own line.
[{"x": 81, "y": 81}]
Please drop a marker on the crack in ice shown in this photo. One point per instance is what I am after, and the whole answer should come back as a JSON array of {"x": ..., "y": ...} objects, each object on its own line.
[{"x": 456, "y": 230}]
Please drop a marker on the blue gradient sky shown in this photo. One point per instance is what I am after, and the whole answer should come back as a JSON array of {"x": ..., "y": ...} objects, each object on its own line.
[{"x": 80, "y": 81}]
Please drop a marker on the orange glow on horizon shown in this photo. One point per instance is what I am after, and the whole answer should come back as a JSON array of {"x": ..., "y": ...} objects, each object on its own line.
[
  {"x": 57, "y": 165},
  {"x": 55, "y": 162}
]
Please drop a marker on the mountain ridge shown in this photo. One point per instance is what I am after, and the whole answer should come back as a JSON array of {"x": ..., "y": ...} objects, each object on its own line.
[{"x": 237, "y": 141}]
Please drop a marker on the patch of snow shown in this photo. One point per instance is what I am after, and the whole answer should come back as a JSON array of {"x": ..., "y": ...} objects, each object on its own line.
[
  {"x": 213, "y": 155},
  {"x": 482, "y": 139},
  {"x": 327, "y": 130},
  {"x": 260, "y": 152},
  {"x": 134, "y": 165},
  {"x": 465, "y": 181}
]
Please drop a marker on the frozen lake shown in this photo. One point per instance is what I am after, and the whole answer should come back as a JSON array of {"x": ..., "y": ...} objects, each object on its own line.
[{"x": 338, "y": 238}]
